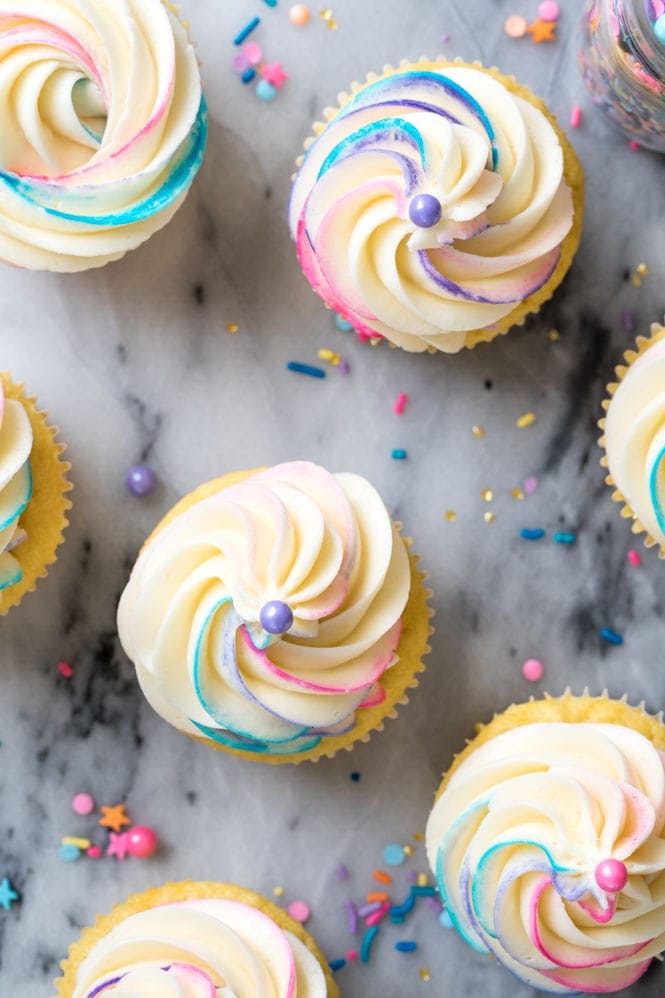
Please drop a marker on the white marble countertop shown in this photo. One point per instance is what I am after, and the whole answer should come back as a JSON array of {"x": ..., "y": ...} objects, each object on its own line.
[{"x": 134, "y": 363}]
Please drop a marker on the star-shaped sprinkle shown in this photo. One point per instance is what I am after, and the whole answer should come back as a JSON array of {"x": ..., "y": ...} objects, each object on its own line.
[
  {"x": 114, "y": 818},
  {"x": 542, "y": 31},
  {"x": 118, "y": 845},
  {"x": 274, "y": 74},
  {"x": 7, "y": 894}
]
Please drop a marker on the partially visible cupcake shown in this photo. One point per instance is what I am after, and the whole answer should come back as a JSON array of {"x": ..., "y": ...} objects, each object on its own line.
[
  {"x": 547, "y": 838},
  {"x": 438, "y": 206},
  {"x": 103, "y": 128},
  {"x": 196, "y": 940},
  {"x": 634, "y": 437},
  {"x": 33, "y": 494},
  {"x": 277, "y": 614}
]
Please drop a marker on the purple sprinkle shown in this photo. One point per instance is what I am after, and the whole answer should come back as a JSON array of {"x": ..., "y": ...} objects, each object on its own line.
[
  {"x": 434, "y": 904},
  {"x": 344, "y": 366},
  {"x": 351, "y": 916},
  {"x": 445, "y": 37},
  {"x": 342, "y": 872},
  {"x": 412, "y": 876},
  {"x": 367, "y": 909},
  {"x": 628, "y": 319},
  {"x": 240, "y": 63}
]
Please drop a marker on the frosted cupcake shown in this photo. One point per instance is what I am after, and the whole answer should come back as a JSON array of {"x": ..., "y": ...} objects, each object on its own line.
[
  {"x": 438, "y": 207},
  {"x": 196, "y": 940},
  {"x": 276, "y": 614},
  {"x": 547, "y": 838},
  {"x": 33, "y": 494},
  {"x": 634, "y": 437},
  {"x": 103, "y": 128}
]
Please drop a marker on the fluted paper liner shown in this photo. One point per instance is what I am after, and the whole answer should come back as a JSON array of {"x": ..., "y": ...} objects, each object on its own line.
[
  {"x": 630, "y": 356},
  {"x": 168, "y": 894},
  {"x": 569, "y": 708},
  {"x": 45, "y": 517},
  {"x": 572, "y": 172},
  {"x": 396, "y": 681}
]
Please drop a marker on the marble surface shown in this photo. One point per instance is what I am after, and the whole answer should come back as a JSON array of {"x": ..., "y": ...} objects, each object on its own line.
[{"x": 134, "y": 362}]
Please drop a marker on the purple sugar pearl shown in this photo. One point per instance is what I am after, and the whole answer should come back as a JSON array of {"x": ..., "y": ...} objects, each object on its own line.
[
  {"x": 141, "y": 480},
  {"x": 425, "y": 211},
  {"x": 276, "y": 617}
]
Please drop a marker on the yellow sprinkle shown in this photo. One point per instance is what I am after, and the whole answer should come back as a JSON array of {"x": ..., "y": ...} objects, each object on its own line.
[
  {"x": 424, "y": 974},
  {"x": 636, "y": 281},
  {"x": 79, "y": 843},
  {"x": 418, "y": 837},
  {"x": 554, "y": 335},
  {"x": 422, "y": 880},
  {"x": 487, "y": 495},
  {"x": 526, "y": 420},
  {"x": 278, "y": 891},
  {"x": 232, "y": 327},
  {"x": 326, "y": 13},
  {"x": 643, "y": 269},
  {"x": 408, "y": 850},
  {"x": 375, "y": 340},
  {"x": 489, "y": 517},
  {"x": 517, "y": 494},
  {"x": 478, "y": 432},
  {"x": 451, "y": 515}
]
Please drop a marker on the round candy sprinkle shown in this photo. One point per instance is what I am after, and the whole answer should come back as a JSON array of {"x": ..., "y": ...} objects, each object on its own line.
[
  {"x": 300, "y": 15},
  {"x": 445, "y": 920},
  {"x": 141, "y": 480},
  {"x": 394, "y": 855},
  {"x": 276, "y": 617},
  {"x": 533, "y": 670},
  {"x": 299, "y": 911},
  {"x": 69, "y": 853},
  {"x": 425, "y": 211},
  {"x": 141, "y": 842},
  {"x": 634, "y": 558},
  {"x": 549, "y": 10},
  {"x": 83, "y": 804},
  {"x": 94, "y": 852},
  {"x": 253, "y": 53},
  {"x": 611, "y": 875},
  {"x": 351, "y": 955},
  {"x": 515, "y": 26},
  {"x": 265, "y": 90},
  {"x": 343, "y": 324}
]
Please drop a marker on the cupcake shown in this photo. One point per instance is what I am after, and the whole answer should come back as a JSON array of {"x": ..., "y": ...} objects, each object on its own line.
[
  {"x": 33, "y": 494},
  {"x": 547, "y": 839},
  {"x": 276, "y": 614},
  {"x": 438, "y": 207},
  {"x": 196, "y": 940},
  {"x": 103, "y": 129},
  {"x": 634, "y": 437}
]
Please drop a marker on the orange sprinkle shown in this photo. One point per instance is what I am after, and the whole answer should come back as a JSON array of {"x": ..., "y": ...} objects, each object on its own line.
[
  {"x": 382, "y": 877},
  {"x": 378, "y": 896}
]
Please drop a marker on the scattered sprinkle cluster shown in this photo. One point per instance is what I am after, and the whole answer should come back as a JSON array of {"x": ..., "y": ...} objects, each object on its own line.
[{"x": 124, "y": 838}]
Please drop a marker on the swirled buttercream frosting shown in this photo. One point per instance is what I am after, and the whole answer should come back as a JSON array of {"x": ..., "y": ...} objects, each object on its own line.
[
  {"x": 549, "y": 849},
  {"x": 15, "y": 484},
  {"x": 103, "y": 128},
  {"x": 431, "y": 205},
  {"x": 200, "y": 949},
  {"x": 635, "y": 436},
  {"x": 264, "y": 615}
]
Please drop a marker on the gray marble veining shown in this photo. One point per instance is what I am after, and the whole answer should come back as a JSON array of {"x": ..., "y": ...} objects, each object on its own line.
[{"x": 134, "y": 362}]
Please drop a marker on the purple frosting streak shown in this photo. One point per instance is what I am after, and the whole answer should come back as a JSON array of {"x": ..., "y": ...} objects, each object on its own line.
[{"x": 447, "y": 285}]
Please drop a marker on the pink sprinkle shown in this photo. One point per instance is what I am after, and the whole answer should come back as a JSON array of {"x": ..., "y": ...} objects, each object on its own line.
[
  {"x": 299, "y": 911},
  {"x": 530, "y": 485},
  {"x": 400, "y": 404},
  {"x": 65, "y": 669},
  {"x": 252, "y": 53},
  {"x": 377, "y": 916},
  {"x": 83, "y": 804},
  {"x": 576, "y": 116},
  {"x": 533, "y": 670},
  {"x": 634, "y": 558},
  {"x": 549, "y": 10},
  {"x": 634, "y": 144},
  {"x": 94, "y": 852},
  {"x": 351, "y": 955}
]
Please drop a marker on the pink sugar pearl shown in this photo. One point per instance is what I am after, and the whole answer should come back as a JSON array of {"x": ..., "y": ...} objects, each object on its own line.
[
  {"x": 83, "y": 804},
  {"x": 141, "y": 842},
  {"x": 549, "y": 10},
  {"x": 299, "y": 911},
  {"x": 533, "y": 670},
  {"x": 611, "y": 875}
]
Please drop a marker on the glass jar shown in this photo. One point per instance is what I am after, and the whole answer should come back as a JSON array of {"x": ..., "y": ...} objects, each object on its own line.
[{"x": 622, "y": 58}]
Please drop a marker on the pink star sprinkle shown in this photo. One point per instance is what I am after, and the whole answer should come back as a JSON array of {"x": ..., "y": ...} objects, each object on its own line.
[
  {"x": 118, "y": 845},
  {"x": 274, "y": 74}
]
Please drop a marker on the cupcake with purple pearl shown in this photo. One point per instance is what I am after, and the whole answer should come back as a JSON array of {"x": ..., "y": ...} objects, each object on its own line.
[
  {"x": 437, "y": 206},
  {"x": 277, "y": 614}
]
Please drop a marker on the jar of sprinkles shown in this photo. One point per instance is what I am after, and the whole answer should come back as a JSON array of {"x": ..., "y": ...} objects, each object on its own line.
[{"x": 622, "y": 57}]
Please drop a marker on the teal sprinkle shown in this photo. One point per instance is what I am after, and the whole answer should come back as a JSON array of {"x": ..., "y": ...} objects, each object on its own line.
[
  {"x": 366, "y": 944},
  {"x": 343, "y": 323},
  {"x": 445, "y": 920},
  {"x": 313, "y": 372},
  {"x": 563, "y": 538},
  {"x": 394, "y": 855},
  {"x": 69, "y": 853},
  {"x": 399, "y": 455},
  {"x": 423, "y": 892}
]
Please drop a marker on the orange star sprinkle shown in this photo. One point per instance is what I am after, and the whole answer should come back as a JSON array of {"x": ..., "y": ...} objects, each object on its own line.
[
  {"x": 114, "y": 818},
  {"x": 542, "y": 31}
]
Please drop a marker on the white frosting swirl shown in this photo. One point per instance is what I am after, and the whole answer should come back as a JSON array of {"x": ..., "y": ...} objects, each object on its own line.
[
  {"x": 200, "y": 949},
  {"x": 190, "y": 617},
  {"x": 103, "y": 128},
  {"x": 495, "y": 165},
  {"x": 635, "y": 437},
  {"x": 15, "y": 484},
  {"x": 516, "y": 839}
]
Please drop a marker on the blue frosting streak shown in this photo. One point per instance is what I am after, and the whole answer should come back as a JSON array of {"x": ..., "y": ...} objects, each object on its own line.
[
  {"x": 377, "y": 130},
  {"x": 188, "y": 165},
  {"x": 28, "y": 497},
  {"x": 657, "y": 469}
]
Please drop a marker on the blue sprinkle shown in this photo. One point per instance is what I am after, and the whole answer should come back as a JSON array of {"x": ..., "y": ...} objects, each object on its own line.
[
  {"x": 265, "y": 90},
  {"x": 394, "y": 855},
  {"x": 423, "y": 892},
  {"x": 248, "y": 75},
  {"x": 366, "y": 944},
  {"x": 69, "y": 853},
  {"x": 398, "y": 911},
  {"x": 446, "y": 920},
  {"x": 341, "y": 962},
  {"x": 399, "y": 455},
  {"x": 314, "y": 372},
  {"x": 271, "y": 3},
  {"x": 611, "y": 636},
  {"x": 342, "y": 324},
  {"x": 406, "y": 946},
  {"x": 246, "y": 31},
  {"x": 356, "y": 777},
  {"x": 563, "y": 538},
  {"x": 532, "y": 535}
]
